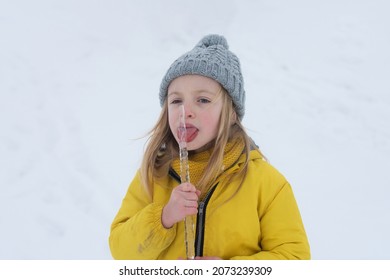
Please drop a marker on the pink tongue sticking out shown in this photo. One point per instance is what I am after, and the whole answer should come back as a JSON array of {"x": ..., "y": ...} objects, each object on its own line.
[
  {"x": 187, "y": 134},
  {"x": 192, "y": 132}
]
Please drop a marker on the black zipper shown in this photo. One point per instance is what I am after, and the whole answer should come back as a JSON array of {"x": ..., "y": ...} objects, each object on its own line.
[
  {"x": 200, "y": 223},
  {"x": 200, "y": 218}
]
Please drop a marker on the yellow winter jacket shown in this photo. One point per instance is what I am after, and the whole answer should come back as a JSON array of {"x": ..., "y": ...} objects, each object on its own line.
[{"x": 261, "y": 221}]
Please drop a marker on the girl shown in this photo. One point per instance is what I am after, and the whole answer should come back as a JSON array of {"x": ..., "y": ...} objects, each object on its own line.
[{"x": 245, "y": 209}]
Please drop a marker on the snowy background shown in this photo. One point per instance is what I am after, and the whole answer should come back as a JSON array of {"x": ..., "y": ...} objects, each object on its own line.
[{"x": 79, "y": 87}]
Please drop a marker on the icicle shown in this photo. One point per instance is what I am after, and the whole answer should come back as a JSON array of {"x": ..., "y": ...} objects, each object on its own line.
[{"x": 185, "y": 177}]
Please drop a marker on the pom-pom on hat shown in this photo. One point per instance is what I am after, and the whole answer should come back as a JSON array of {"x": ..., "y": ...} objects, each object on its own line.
[{"x": 210, "y": 58}]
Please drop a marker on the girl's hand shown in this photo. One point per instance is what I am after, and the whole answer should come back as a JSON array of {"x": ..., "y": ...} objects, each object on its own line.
[{"x": 183, "y": 202}]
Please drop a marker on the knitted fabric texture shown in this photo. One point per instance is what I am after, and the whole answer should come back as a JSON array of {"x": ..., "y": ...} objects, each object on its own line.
[
  {"x": 210, "y": 58},
  {"x": 198, "y": 162}
]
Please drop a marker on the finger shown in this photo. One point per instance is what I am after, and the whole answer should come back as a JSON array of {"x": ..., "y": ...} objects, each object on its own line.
[
  {"x": 190, "y": 196},
  {"x": 190, "y": 204},
  {"x": 187, "y": 187},
  {"x": 189, "y": 211}
]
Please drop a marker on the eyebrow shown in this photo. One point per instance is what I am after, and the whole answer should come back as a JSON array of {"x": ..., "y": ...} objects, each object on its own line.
[{"x": 173, "y": 93}]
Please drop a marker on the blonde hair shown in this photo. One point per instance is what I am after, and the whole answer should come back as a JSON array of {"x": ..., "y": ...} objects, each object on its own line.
[{"x": 162, "y": 148}]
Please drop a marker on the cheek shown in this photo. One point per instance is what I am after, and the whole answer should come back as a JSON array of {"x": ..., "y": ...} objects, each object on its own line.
[{"x": 212, "y": 121}]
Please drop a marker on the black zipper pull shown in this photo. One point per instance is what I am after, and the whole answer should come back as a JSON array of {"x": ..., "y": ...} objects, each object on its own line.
[
  {"x": 201, "y": 207},
  {"x": 199, "y": 230}
]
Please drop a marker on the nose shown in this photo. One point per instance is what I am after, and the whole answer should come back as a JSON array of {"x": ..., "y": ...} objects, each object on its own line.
[{"x": 188, "y": 111}]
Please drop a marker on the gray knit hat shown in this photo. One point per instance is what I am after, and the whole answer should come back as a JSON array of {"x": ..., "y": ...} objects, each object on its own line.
[{"x": 211, "y": 58}]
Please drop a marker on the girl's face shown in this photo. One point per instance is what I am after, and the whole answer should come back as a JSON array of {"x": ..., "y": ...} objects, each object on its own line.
[{"x": 201, "y": 98}]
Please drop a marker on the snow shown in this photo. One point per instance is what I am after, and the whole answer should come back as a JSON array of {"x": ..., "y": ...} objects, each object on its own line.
[{"x": 79, "y": 87}]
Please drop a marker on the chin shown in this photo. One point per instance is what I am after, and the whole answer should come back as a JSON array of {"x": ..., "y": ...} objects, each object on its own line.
[{"x": 193, "y": 147}]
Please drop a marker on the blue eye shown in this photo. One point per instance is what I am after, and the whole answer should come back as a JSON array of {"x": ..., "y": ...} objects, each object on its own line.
[
  {"x": 203, "y": 100},
  {"x": 176, "y": 101}
]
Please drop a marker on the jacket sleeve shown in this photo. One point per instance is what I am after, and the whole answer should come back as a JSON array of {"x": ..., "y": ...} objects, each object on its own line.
[
  {"x": 137, "y": 231},
  {"x": 283, "y": 234}
]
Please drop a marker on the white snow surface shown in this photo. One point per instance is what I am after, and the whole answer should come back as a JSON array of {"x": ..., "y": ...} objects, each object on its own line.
[{"x": 79, "y": 85}]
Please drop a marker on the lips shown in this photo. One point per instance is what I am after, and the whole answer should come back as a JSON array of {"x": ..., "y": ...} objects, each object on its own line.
[{"x": 189, "y": 133}]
